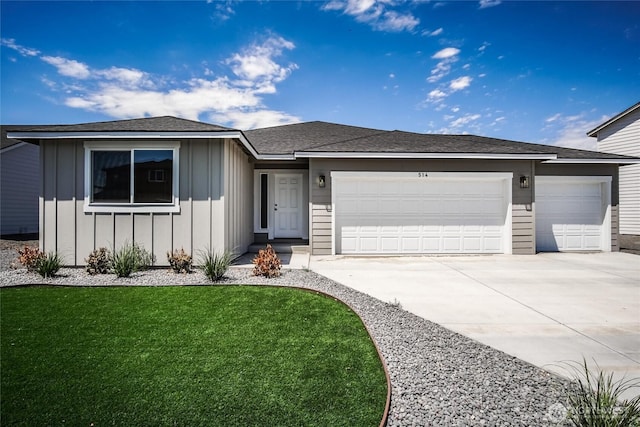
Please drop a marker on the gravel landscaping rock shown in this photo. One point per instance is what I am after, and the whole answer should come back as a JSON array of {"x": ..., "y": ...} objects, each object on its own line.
[{"x": 438, "y": 377}]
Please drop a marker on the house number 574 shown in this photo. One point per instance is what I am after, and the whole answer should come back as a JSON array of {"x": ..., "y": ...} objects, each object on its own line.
[{"x": 422, "y": 175}]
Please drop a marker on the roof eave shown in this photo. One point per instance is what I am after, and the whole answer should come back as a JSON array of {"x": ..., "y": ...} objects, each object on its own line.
[
  {"x": 123, "y": 134},
  {"x": 152, "y": 135},
  {"x": 594, "y": 132},
  {"x": 596, "y": 161},
  {"x": 409, "y": 155}
]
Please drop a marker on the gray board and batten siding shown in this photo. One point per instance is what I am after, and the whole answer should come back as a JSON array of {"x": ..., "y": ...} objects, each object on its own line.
[{"x": 215, "y": 204}]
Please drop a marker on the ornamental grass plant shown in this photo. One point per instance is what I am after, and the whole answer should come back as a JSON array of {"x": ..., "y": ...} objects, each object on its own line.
[
  {"x": 215, "y": 265},
  {"x": 131, "y": 257},
  {"x": 597, "y": 399}
]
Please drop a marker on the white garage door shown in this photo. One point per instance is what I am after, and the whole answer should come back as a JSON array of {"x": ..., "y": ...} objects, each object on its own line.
[
  {"x": 414, "y": 213},
  {"x": 571, "y": 213}
]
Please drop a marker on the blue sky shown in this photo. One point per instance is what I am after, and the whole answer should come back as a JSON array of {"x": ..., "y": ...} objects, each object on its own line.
[{"x": 544, "y": 72}]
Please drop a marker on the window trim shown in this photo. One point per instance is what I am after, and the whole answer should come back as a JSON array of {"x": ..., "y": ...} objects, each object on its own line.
[{"x": 90, "y": 146}]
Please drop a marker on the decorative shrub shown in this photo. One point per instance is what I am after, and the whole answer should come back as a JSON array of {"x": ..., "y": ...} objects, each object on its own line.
[
  {"x": 596, "y": 400},
  {"x": 266, "y": 263},
  {"x": 99, "y": 261},
  {"x": 129, "y": 259},
  {"x": 180, "y": 261},
  {"x": 49, "y": 264},
  {"x": 30, "y": 257},
  {"x": 215, "y": 265}
]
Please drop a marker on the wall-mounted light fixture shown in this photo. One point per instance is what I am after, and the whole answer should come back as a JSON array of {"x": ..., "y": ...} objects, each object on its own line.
[
  {"x": 321, "y": 181},
  {"x": 524, "y": 181}
]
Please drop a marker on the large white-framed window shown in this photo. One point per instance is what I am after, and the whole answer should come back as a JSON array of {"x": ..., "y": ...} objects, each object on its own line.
[{"x": 131, "y": 176}]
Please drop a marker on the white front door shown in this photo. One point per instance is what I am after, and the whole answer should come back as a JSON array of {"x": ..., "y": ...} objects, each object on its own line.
[{"x": 288, "y": 206}]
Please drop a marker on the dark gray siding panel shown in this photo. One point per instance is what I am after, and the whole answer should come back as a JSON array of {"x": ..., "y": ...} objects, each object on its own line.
[{"x": 20, "y": 171}]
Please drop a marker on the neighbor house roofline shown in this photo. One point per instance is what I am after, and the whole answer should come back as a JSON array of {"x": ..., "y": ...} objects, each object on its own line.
[{"x": 594, "y": 132}]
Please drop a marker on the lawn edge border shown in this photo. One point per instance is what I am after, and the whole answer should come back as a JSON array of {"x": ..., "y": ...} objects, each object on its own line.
[{"x": 387, "y": 406}]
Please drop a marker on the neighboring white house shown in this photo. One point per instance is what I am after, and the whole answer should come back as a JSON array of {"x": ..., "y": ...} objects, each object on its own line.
[
  {"x": 621, "y": 135},
  {"x": 19, "y": 185}
]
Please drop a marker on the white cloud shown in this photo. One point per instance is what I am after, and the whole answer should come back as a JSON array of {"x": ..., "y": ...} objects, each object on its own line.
[
  {"x": 68, "y": 67},
  {"x": 447, "y": 52},
  {"x": 396, "y": 22},
  {"x": 127, "y": 76},
  {"x": 24, "y": 51},
  {"x": 436, "y": 95},
  {"x": 571, "y": 131},
  {"x": 254, "y": 119},
  {"x": 460, "y": 83},
  {"x": 236, "y": 99},
  {"x": 464, "y": 120},
  {"x": 433, "y": 33},
  {"x": 441, "y": 69},
  {"x": 447, "y": 57},
  {"x": 376, "y": 13},
  {"x": 256, "y": 63},
  {"x": 223, "y": 9},
  {"x": 553, "y": 118},
  {"x": 484, "y": 46},
  {"x": 358, "y": 7},
  {"x": 489, "y": 3}
]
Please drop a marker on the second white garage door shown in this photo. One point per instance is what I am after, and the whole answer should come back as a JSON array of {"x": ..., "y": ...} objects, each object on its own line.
[
  {"x": 572, "y": 213},
  {"x": 414, "y": 213}
]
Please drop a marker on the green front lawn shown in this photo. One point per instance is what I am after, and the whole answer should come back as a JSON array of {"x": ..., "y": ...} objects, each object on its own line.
[{"x": 214, "y": 355}]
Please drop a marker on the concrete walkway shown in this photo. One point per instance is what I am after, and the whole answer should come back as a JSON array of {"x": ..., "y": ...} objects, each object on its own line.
[{"x": 544, "y": 309}]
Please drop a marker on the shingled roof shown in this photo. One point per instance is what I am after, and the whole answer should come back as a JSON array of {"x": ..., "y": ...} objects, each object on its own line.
[
  {"x": 316, "y": 138},
  {"x": 149, "y": 124}
]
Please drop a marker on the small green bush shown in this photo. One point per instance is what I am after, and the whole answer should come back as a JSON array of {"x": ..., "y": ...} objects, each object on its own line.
[
  {"x": 596, "y": 400},
  {"x": 267, "y": 263},
  {"x": 99, "y": 261},
  {"x": 129, "y": 259},
  {"x": 215, "y": 265},
  {"x": 49, "y": 264},
  {"x": 180, "y": 261}
]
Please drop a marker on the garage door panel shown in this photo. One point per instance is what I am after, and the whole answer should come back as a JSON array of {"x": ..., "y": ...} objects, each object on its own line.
[
  {"x": 369, "y": 244},
  {"x": 492, "y": 244},
  {"x": 452, "y": 244},
  {"x": 419, "y": 216},
  {"x": 472, "y": 244},
  {"x": 390, "y": 244},
  {"x": 569, "y": 214},
  {"x": 410, "y": 245}
]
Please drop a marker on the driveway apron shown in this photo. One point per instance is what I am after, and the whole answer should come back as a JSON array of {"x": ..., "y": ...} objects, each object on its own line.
[{"x": 546, "y": 309}]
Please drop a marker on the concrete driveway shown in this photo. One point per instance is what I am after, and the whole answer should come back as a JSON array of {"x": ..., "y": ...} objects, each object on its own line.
[{"x": 544, "y": 309}]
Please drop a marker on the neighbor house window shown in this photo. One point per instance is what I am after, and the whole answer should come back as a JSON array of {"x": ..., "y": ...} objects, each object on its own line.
[{"x": 139, "y": 178}]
